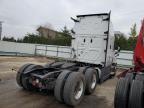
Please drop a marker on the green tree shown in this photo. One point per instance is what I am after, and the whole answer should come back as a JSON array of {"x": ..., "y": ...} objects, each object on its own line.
[
  {"x": 133, "y": 31},
  {"x": 65, "y": 32},
  {"x": 131, "y": 43},
  {"x": 34, "y": 38},
  {"x": 120, "y": 41},
  {"x": 63, "y": 38},
  {"x": 19, "y": 40},
  {"x": 10, "y": 39},
  {"x": 124, "y": 43},
  {"x": 31, "y": 38}
]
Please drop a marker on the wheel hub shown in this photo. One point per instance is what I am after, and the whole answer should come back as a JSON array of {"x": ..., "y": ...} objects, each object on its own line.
[
  {"x": 93, "y": 84},
  {"x": 78, "y": 90}
]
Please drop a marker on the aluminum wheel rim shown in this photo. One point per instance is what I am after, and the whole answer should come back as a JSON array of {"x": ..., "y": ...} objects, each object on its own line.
[
  {"x": 93, "y": 84},
  {"x": 78, "y": 90}
]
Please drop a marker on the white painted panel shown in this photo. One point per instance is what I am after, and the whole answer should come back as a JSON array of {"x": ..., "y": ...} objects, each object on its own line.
[
  {"x": 126, "y": 55},
  {"x": 124, "y": 62},
  {"x": 17, "y": 47},
  {"x": 52, "y": 48},
  {"x": 64, "y": 55},
  {"x": 40, "y": 52},
  {"x": 42, "y": 47},
  {"x": 51, "y": 53},
  {"x": 91, "y": 25},
  {"x": 64, "y": 49},
  {"x": 125, "y": 58}
]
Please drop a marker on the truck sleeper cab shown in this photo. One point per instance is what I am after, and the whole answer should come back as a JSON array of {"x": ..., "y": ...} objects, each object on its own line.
[{"x": 92, "y": 62}]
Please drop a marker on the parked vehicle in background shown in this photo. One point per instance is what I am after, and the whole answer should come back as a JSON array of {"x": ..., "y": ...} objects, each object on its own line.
[{"x": 129, "y": 92}]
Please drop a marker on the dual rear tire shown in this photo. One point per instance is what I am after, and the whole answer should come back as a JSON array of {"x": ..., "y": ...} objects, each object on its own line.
[
  {"x": 71, "y": 86},
  {"x": 91, "y": 80},
  {"x": 129, "y": 92},
  {"x": 136, "y": 97},
  {"x": 122, "y": 93}
]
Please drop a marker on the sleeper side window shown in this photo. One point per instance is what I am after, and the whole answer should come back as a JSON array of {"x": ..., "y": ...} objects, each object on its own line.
[
  {"x": 84, "y": 40},
  {"x": 91, "y": 40}
]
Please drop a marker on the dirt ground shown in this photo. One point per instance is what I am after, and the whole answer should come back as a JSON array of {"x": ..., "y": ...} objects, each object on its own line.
[{"x": 12, "y": 96}]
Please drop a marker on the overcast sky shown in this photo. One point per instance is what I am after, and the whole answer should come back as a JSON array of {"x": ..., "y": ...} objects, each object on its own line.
[{"x": 22, "y": 16}]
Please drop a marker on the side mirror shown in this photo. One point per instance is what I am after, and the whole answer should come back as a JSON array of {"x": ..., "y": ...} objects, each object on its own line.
[
  {"x": 72, "y": 31},
  {"x": 117, "y": 52},
  {"x": 118, "y": 49}
]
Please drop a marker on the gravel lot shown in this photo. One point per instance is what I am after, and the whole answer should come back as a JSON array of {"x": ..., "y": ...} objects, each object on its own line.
[{"x": 12, "y": 96}]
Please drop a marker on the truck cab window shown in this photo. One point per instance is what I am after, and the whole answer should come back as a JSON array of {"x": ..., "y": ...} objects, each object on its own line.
[{"x": 91, "y": 41}]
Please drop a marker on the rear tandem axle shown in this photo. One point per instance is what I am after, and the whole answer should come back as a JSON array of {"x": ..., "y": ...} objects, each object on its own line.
[{"x": 68, "y": 80}]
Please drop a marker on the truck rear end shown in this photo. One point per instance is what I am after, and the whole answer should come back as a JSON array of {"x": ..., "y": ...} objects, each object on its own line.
[
  {"x": 93, "y": 41},
  {"x": 91, "y": 62}
]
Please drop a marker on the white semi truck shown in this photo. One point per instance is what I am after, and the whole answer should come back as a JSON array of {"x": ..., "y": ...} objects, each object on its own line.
[{"x": 93, "y": 60}]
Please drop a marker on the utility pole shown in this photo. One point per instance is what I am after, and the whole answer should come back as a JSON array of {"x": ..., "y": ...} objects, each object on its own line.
[{"x": 1, "y": 29}]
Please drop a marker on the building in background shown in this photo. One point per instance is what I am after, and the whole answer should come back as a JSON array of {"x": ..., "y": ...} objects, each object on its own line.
[
  {"x": 118, "y": 33},
  {"x": 47, "y": 33}
]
